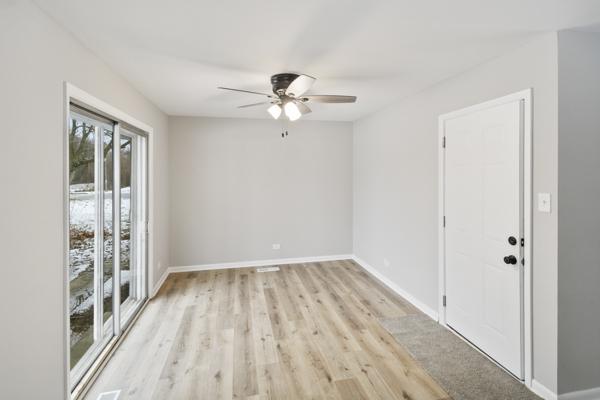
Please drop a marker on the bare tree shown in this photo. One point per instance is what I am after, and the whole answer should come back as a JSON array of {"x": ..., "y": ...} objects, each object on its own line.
[{"x": 82, "y": 154}]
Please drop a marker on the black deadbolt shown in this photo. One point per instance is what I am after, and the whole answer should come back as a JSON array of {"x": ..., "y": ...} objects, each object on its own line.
[
  {"x": 512, "y": 240},
  {"x": 510, "y": 260}
]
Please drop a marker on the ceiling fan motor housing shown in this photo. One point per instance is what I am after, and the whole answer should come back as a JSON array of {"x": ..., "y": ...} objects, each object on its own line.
[{"x": 281, "y": 82}]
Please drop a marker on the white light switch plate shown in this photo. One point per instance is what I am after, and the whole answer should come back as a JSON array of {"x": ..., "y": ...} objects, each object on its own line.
[
  {"x": 276, "y": 246},
  {"x": 544, "y": 202}
]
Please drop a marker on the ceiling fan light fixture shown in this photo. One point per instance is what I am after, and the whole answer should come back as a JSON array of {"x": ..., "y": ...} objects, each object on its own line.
[
  {"x": 292, "y": 111},
  {"x": 289, "y": 96},
  {"x": 275, "y": 111}
]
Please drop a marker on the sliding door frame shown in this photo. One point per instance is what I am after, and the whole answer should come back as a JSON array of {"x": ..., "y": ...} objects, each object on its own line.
[{"x": 74, "y": 95}]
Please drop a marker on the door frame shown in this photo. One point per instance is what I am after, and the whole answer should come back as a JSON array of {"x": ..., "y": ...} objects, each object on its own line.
[
  {"x": 526, "y": 97},
  {"x": 74, "y": 94}
]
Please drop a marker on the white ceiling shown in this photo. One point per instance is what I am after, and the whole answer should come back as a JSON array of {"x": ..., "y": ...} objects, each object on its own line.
[{"x": 176, "y": 52}]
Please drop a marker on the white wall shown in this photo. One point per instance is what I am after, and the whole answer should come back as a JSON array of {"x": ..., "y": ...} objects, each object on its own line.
[
  {"x": 396, "y": 183},
  {"x": 237, "y": 187},
  {"x": 579, "y": 218},
  {"x": 36, "y": 57}
]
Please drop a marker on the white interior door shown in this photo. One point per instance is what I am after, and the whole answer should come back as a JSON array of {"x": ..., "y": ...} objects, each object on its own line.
[{"x": 483, "y": 230}]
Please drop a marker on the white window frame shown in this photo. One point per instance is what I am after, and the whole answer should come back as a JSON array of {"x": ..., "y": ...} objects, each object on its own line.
[{"x": 73, "y": 94}]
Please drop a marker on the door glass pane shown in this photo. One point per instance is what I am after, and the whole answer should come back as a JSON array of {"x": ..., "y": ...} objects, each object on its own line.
[
  {"x": 126, "y": 216},
  {"x": 90, "y": 239},
  {"x": 82, "y": 225}
]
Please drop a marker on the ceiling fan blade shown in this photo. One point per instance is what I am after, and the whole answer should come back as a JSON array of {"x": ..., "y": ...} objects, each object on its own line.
[
  {"x": 300, "y": 85},
  {"x": 303, "y": 108},
  {"x": 323, "y": 98},
  {"x": 255, "y": 104},
  {"x": 247, "y": 91}
]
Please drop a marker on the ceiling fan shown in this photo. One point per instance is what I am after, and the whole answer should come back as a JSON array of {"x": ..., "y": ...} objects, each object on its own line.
[{"x": 289, "y": 96}]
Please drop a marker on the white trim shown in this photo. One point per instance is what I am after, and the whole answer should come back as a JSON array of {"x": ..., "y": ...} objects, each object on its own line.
[
  {"x": 116, "y": 199},
  {"x": 397, "y": 289},
  {"x": 65, "y": 251},
  {"x": 160, "y": 282},
  {"x": 73, "y": 93},
  {"x": 258, "y": 263},
  {"x": 149, "y": 183},
  {"x": 542, "y": 391},
  {"x": 589, "y": 394},
  {"x": 526, "y": 97}
]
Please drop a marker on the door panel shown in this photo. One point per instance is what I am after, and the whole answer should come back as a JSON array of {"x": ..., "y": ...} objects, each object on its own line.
[
  {"x": 483, "y": 208},
  {"x": 133, "y": 216},
  {"x": 82, "y": 235},
  {"x": 90, "y": 239}
]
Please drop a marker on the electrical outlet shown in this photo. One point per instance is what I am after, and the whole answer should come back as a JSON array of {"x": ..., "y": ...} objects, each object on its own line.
[
  {"x": 386, "y": 262},
  {"x": 276, "y": 246}
]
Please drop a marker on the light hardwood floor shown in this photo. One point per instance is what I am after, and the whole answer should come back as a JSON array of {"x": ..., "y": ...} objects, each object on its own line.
[{"x": 309, "y": 331}]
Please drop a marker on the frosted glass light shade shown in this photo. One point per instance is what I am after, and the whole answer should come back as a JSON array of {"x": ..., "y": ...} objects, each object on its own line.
[
  {"x": 292, "y": 111},
  {"x": 275, "y": 111}
]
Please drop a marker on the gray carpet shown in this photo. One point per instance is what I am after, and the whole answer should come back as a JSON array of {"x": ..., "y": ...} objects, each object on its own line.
[{"x": 463, "y": 372}]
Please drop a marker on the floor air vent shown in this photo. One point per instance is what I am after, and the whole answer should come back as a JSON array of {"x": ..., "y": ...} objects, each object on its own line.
[
  {"x": 114, "y": 395},
  {"x": 267, "y": 269}
]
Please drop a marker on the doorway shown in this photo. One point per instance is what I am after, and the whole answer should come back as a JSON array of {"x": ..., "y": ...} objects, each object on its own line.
[
  {"x": 485, "y": 228},
  {"x": 107, "y": 245}
]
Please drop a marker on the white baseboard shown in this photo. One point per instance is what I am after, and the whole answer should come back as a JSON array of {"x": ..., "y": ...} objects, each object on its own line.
[
  {"x": 542, "y": 391},
  {"x": 412, "y": 299},
  {"x": 160, "y": 282},
  {"x": 259, "y": 263},
  {"x": 589, "y": 394}
]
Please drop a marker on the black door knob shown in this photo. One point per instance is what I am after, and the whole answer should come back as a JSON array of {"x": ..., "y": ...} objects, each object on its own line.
[
  {"x": 510, "y": 260},
  {"x": 512, "y": 240}
]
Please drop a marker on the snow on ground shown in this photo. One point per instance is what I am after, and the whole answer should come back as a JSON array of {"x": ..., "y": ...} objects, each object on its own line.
[
  {"x": 82, "y": 217},
  {"x": 82, "y": 221},
  {"x": 88, "y": 302},
  {"x": 83, "y": 208}
]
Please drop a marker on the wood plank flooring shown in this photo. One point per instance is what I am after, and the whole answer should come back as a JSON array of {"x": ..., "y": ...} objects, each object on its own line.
[{"x": 309, "y": 331}]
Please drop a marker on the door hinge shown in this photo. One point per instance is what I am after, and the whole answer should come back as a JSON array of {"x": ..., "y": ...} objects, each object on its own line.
[
  {"x": 444, "y": 142},
  {"x": 444, "y": 300},
  {"x": 444, "y": 221}
]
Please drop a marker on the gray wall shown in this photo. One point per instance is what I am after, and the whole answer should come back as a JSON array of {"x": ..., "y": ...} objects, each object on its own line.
[
  {"x": 37, "y": 56},
  {"x": 579, "y": 217},
  {"x": 237, "y": 187},
  {"x": 396, "y": 183}
]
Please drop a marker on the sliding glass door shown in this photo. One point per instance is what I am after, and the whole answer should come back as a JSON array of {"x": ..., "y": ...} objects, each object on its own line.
[
  {"x": 132, "y": 224},
  {"x": 107, "y": 233}
]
